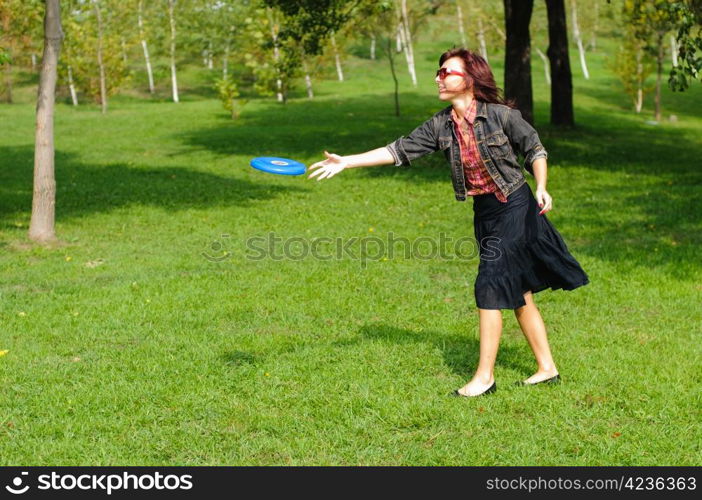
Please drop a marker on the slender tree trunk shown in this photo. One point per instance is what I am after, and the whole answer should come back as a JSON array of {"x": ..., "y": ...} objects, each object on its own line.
[
  {"x": 41, "y": 227},
  {"x": 276, "y": 55},
  {"x": 372, "y": 46},
  {"x": 124, "y": 51},
  {"x": 8, "y": 82},
  {"x": 578, "y": 38},
  {"x": 517, "y": 56},
  {"x": 391, "y": 59},
  {"x": 337, "y": 58},
  {"x": 659, "y": 61},
  {"x": 462, "y": 31},
  {"x": 398, "y": 39},
  {"x": 34, "y": 62},
  {"x": 561, "y": 78},
  {"x": 144, "y": 46},
  {"x": 6, "y": 20},
  {"x": 481, "y": 40},
  {"x": 595, "y": 26},
  {"x": 308, "y": 80},
  {"x": 101, "y": 64},
  {"x": 72, "y": 87},
  {"x": 225, "y": 61},
  {"x": 407, "y": 39},
  {"x": 638, "y": 102},
  {"x": 174, "y": 76},
  {"x": 210, "y": 61},
  {"x": 674, "y": 50},
  {"x": 547, "y": 70}
]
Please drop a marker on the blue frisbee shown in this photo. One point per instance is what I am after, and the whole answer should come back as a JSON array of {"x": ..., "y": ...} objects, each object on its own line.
[{"x": 280, "y": 166}]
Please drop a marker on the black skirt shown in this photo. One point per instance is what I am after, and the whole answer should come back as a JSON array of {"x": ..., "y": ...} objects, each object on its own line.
[{"x": 520, "y": 251}]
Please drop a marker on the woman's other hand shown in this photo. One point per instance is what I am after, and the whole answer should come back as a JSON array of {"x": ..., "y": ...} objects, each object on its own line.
[
  {"x": 329, "y": 167},
  {"x": 544, "y": 200}
]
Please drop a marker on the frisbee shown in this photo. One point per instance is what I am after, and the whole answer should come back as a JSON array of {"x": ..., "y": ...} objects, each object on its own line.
[{"x": 280, "y": 166}]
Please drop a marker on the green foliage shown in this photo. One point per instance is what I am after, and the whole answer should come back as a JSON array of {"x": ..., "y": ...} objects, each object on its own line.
[
  {"x": 632, "y": 65},
  {"x": 228, "y": 94},
  {"x": 689, "y": 39},
  {"x": 79, "y": 51}
]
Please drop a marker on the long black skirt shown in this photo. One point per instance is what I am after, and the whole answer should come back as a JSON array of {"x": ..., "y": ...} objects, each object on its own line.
[{"x": 520, "y": 251}]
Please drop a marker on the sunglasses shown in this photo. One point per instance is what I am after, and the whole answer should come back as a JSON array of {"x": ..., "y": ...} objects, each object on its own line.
[{"x": 444, "y": 72}]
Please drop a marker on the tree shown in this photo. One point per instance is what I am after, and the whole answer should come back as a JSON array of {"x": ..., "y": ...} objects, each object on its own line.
[
  {"x": 652, "y": 20},
  {"x": 18, "y": 19},
  {"x": 561, "y": 78},
  {"x": 172, "y": 24},
  {"x": 41, "y": 227},
  {"x": 631, "y": 64},
  {"x": 518, "y": 56},
  {"x": 689, "y": 41}
]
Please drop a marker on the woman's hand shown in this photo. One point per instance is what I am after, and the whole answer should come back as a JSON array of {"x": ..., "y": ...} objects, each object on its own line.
[
  {"x": 544, "y": 200},
  {"x": 329, "y": 167}
]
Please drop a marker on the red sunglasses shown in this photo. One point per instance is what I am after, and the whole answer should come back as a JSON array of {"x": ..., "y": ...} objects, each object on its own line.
[{"x": 444, "y": 72}]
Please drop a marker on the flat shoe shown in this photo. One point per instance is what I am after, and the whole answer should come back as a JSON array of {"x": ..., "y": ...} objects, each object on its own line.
[
  {"x": 489, "y": 390},
  {"x": 553, "y": 380}
]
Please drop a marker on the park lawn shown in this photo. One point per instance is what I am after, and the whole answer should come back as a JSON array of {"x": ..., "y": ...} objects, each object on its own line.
[{"x": 148, "y": 336}]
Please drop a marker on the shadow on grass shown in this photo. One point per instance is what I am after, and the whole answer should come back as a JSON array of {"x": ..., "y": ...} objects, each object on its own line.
[
  {"x": 84, "y": 189},
  {"x": 461, "y": 353}
]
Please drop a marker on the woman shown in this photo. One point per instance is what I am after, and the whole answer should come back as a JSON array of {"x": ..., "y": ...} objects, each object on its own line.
[{"x": 521, "y": 253}]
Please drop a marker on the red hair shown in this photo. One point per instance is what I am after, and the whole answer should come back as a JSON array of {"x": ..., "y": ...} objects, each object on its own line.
[{"x": 480, "y": 77}]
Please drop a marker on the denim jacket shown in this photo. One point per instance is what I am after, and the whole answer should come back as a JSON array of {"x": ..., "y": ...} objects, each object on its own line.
[{"x": 501, "y": 134}]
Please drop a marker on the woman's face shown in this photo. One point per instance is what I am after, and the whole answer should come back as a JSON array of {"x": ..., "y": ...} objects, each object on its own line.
[{"x": 452, "y": 86}]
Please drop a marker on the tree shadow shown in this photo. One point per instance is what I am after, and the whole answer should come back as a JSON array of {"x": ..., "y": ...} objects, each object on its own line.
[{"x": 83, "y": 189}]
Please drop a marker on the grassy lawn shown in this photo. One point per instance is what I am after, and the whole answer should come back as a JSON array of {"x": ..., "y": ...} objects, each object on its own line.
[{"x": 148, "y": 335}]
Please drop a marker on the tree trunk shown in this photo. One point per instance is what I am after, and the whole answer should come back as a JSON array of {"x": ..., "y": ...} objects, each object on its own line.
[
  {"x": 391, "y": 58},
  {"x": 547, "y": 70},
  {"x": 174, "y": 77},
  {"x": 517, "y": 56},
  {"x": 34, "y": 62},
  {"x": 462, "y": 31},
  {"x": 593, "y": 40},
  {"x": 578, "y": 38},
  {"x": 72, "y": 87},
  {"x": 398, "y": 39},
  {"x": 41, "y": 227},
  {"x": 210, "y": 61},
  {"x": 276, "y": 55},
  {"x": 144, "y": 46},
  {"x": 225, "y": 61},
  {"x": 372, "y": 47},
  {"x": 481, "y": 40},
  {"x": 673, "y": 50},
  {"x": 308, "y": 79},
  {"x": 407, "y": 39},
  {"x": 101, "y": 64},
  {"x": 8, "y": 82},
  {"x": 638, "y": 102},
  {"x": 659, "y": 61},
  {"x": 337, "y": 58},
  {"x": 561, "y": 78},
  {"x": 124, "y": 51}
]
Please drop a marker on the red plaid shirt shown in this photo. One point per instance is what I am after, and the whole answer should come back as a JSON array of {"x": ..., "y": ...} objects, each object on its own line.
[{"x": 478, "y": 180}]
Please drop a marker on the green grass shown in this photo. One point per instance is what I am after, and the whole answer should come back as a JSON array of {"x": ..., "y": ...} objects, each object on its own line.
[{"x": 127, "y": 346}]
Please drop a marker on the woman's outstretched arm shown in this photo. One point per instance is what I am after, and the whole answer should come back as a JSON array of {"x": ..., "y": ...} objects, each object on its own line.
[{"x": 335, "y": 163}]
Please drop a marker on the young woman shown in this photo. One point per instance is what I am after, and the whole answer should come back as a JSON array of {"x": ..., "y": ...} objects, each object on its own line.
[{"x": 521, "y": 253}]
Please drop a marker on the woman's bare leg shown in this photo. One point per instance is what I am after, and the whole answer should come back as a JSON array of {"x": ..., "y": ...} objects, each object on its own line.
[
  {"x": 535, "y": 332},
  {"x": 490, "y": 332}
]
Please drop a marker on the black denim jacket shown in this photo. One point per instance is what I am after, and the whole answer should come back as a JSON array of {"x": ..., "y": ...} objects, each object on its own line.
[{"x": 501, "y": 134}]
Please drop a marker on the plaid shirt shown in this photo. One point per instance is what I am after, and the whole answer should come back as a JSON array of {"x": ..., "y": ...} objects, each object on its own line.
[{"x": 478, "y": 180}]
